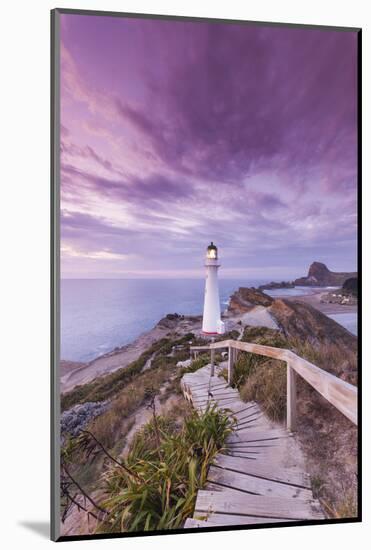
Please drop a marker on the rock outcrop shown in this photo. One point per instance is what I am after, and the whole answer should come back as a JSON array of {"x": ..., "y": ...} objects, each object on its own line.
[
  {"x": 78, "y": 417},
  {"x": 295, "y": 319},
  {"x": 244, "y": 299},
  {"x": 170, "y": 320},
  {"x": 320, "y": 275}
]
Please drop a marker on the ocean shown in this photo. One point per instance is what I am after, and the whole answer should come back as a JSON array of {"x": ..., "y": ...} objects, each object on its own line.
[{"x": 98, "y": 315}]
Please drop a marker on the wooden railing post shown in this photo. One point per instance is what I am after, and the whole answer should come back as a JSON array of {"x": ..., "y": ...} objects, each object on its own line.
[
  {"x": 291, "y": 398},
  {"x": 212, "y": 362},
  {"x": 230, "y": 364}
]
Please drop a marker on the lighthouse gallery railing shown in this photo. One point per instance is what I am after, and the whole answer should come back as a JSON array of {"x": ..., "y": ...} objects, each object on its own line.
[{"x": 341, "y": 394}]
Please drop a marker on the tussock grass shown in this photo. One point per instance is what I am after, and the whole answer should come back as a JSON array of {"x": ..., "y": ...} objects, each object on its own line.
[
  {"x": 110, "y": 427},
  {"x": 261, "y": 379},
  {"x": 267, "y": 385},
  {"x": 169, "y": 474}
]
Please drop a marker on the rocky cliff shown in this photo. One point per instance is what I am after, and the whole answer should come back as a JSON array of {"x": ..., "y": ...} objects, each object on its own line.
[
  {"x": 244, "y": 299},
  {"x": 295, "y": 319},
  {"x": 302, "y": 321},
  {"x": 320, "y": 275}
]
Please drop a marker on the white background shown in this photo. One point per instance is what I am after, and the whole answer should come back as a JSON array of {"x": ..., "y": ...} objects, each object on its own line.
[{"x": 24, "y": 300}]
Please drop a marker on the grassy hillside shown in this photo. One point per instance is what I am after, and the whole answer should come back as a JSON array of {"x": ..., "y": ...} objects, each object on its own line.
[{"x": 104, "y": 387}]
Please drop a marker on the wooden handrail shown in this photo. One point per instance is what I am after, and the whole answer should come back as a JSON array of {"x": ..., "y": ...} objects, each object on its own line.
[{"x": 339, "y": 393}]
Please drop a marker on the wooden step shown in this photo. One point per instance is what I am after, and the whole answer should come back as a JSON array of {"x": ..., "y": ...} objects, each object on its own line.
[
  {"x": 255, "y": 435},
  {"x": 191, "y": 523},
  {"x": 240, "y": 407},
  {"x": 221, "y": 402},
  {"x": 264, "y": 470},
  {"x": 231, "y": 502},
  {"x": 246, "y": 446},
  {"x": 219, "y": 520},
  {"x": 216, "y": 520},
  {"x": 228, "y": 479},
  {"x": 198, "y": 396}
]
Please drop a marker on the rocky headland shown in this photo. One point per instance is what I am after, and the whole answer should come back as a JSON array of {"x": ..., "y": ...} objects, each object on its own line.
[{"x": 320, "y": 275}]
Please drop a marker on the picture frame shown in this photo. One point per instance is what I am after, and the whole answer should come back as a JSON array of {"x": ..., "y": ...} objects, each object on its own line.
[{"x": 354, "y": 190}]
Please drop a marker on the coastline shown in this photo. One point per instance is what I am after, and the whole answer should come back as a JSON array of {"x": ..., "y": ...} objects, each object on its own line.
[
  {"x": 77, "y": 373},
  {"x": 123, "y": 356}
]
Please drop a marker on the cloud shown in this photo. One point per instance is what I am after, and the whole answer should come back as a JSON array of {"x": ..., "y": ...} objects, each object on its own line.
[
  {"x": 69, "y": 251},
  {"x": 183, "y": 133}
]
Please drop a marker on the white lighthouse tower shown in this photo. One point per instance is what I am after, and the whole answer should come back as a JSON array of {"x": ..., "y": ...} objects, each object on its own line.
[{"x": 212, "y": 323}]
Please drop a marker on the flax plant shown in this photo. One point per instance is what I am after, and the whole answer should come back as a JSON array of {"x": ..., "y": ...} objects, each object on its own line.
[{"x": 164, "y": 493}]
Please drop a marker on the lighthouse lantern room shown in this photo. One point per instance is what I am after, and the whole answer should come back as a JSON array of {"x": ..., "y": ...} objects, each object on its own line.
[{"x": 212, "y": 323}]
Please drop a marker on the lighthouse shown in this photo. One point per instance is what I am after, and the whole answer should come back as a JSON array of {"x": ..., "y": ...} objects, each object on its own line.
[{"x": 212, "y": 323}]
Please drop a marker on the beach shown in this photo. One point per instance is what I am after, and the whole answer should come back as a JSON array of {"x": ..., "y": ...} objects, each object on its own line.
[{"x": 314, "y": 300}]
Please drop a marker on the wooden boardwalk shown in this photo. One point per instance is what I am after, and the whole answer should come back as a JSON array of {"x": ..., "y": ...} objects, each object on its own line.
[{"x": 259, "y": 477}]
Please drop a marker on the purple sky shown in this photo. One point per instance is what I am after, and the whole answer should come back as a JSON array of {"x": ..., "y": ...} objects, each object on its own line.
[{"x": 177, "y": 133}]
